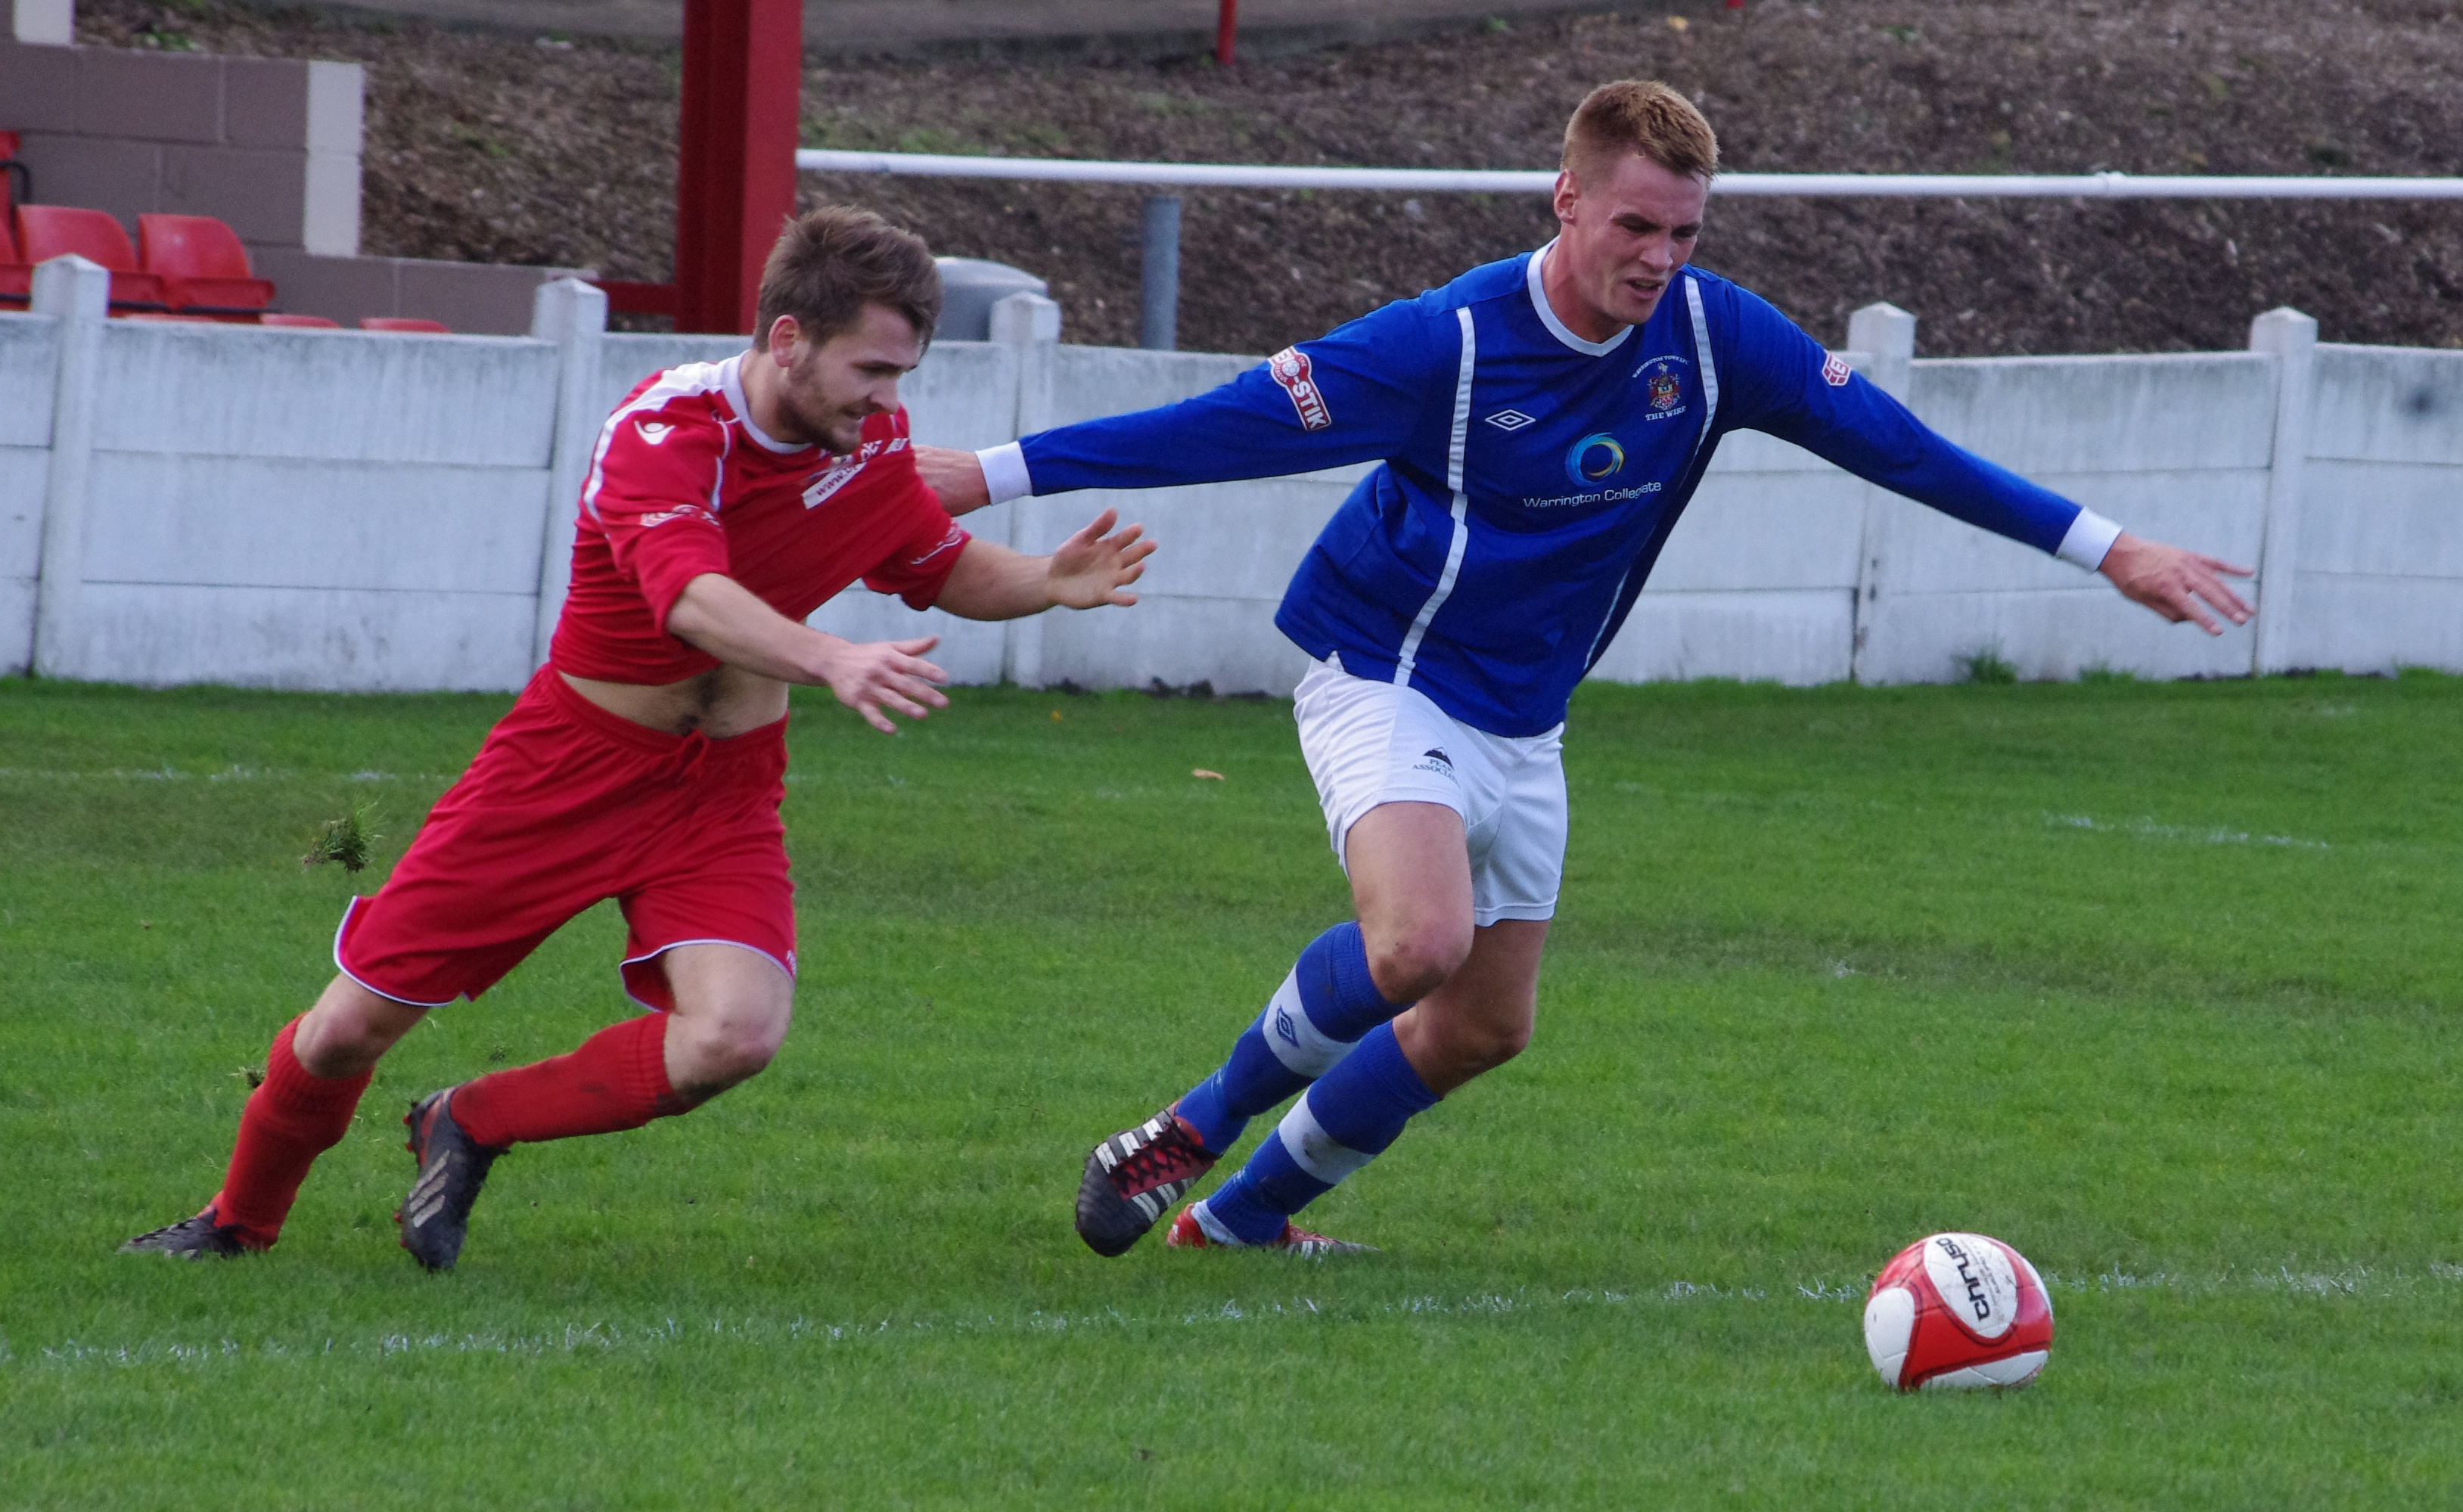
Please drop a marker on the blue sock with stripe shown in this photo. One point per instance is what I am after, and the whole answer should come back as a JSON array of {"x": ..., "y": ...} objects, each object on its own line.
[
  {"x": 1347, "y": 1119},
  {"x": 1324, "y": 1006}
]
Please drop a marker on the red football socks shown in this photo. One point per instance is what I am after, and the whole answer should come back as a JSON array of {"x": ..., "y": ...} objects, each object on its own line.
[
  {"x": 288, "y": 1123},
  {"x": 617, "y": 1079}
]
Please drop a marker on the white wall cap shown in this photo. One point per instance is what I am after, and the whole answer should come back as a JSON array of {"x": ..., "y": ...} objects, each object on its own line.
[{"x": 45, "y": 23}]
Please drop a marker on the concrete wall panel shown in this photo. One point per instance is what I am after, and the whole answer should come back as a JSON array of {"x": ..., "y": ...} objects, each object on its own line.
[
  {"x": 40, "y": 85},
  {"x": 1230, "y": 642},
  {"x": 16, "y": 625},
  {"x": 2099, "y": 414},
  {"x": 2392, "y": 518},
  {"x": 962, "y": 395},
  {"x": 261, "y": 193},
  {"x": 241, "y": 522},
  {"x": 153, "y": 97},
  {"x": 1225, "y": 540},
  {"x": 30, "y": 358},
  {"x": 2388, "y": 405},
  {"x": 2359, "y": 623},
  {"x": 1092, "y": 382},
  {"x": 124, "y": 178},
  {"x": 1797, "y": 636},
  {"x": 265, "y": 102},
  {"x": 627, "y": 358},
  {"x": 230, "y": 391},
  {"x": 2045, "y": 633},
  {"x": 342, "y": 640},
  {"x": 2220, "y": 513},
  {"x": 969, "y": 650},
  {"x": 1765, "y": 530},
  {"x": 23, "y": 472}
]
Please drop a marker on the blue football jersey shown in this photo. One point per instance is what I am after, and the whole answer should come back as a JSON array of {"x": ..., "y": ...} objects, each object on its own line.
[{"x": 1530, "y": 477}]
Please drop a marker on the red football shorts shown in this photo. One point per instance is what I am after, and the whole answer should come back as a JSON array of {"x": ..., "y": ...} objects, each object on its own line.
[{"x": 567, "y": 804}]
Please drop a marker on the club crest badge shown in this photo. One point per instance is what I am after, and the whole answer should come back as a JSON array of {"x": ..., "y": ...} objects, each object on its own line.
[{"x": 1663, "y": 386}]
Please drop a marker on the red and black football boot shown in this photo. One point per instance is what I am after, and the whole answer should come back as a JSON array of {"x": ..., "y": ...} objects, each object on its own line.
[
  {"x": 1133, "y": 1178},
  {"x": 436, "y": 1216},
  {"x": 1187, "y": 1233},
  {"x": 201, "y": 1237}
]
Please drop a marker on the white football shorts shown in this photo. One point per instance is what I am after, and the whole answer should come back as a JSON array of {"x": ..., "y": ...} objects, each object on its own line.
[{"x": 1369, "y": 743}]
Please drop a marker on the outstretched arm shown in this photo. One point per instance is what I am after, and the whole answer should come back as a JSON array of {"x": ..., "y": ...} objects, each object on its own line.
[
  {"x": 1090, "y": 568},
  {"x": 722, "y": 616},
  {"x": 956, "y": 476},
  {"x": 2170, "y": 580}
]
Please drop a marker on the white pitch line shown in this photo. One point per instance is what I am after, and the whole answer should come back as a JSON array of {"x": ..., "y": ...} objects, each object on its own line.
[{"x": 603, "y": 1337}]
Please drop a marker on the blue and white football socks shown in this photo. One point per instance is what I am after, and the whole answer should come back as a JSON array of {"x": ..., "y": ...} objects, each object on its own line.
[
  {"x": 1347, "y": 1119},
  {"x": 1322, "y": 1009}
]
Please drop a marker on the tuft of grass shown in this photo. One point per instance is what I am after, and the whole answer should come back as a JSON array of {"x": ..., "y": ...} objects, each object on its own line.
[
  {"x": 2102, "y": 672},
  {"x": 349, "y": 840},
  {"x": 1985, "y": 665}
]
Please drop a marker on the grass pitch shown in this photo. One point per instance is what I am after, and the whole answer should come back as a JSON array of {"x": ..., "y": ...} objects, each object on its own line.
[{"x": 2159, "y": 983}]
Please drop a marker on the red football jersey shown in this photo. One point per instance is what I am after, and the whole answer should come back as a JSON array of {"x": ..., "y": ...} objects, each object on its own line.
[{"x": 682, "y": 484}]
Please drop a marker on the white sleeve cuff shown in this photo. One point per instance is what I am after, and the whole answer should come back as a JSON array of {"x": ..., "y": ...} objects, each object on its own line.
[
  {"x": 1005, "y": 475},
  {"x": 2090, "y": 535}
]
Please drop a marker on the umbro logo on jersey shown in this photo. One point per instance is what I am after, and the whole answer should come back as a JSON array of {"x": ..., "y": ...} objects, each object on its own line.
[
  {"x": 1510, "y": 420},
  {"x": 653, "y": 431}
]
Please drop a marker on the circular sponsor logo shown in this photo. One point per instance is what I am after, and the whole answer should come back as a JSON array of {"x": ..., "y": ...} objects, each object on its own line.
[
  {"x": 1593, "y": 458},
  {"x": 1976, "y": 1281}
]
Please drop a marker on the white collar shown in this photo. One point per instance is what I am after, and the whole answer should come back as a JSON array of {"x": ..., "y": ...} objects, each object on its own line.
[
  {"x": 1532, "y": 275},
  {"x": 730, "y": 382}
]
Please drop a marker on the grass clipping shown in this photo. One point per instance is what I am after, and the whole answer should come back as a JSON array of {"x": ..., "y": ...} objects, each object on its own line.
[{"x": 347, "y": 841}]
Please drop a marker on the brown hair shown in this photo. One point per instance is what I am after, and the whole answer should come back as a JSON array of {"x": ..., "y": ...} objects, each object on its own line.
[
  {"x": 831, "y": 262},
  {"x": 1644, "y": 116}
]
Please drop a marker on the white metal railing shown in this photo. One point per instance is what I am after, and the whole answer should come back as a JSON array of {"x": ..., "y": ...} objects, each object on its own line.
[
  {"x": 1441, "y": 181},
  {"x": 1158, "y": 307}
]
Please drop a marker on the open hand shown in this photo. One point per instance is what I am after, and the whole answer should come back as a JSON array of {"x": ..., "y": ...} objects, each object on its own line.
[
  {"x": 873, "y": 676},
  {"x": 956, "y": 476},
  {"x": 2170, "y": 580},
  {"x": 1091, "y": 568}
]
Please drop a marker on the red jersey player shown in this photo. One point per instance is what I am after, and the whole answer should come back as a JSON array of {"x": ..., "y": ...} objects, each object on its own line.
[{"x": 726, "y": 502}]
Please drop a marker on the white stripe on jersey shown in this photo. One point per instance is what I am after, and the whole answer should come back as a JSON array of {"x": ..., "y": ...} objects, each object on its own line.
[
  {"x": 1461, "y": 536},
  {"x": 1710, "y": 371},
  {"x": 675, "y": 383}
]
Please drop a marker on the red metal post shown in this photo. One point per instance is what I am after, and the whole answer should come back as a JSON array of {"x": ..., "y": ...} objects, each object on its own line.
[
  {"x": 736, "y": 159},
  {"x": 1226, "y": 24}
]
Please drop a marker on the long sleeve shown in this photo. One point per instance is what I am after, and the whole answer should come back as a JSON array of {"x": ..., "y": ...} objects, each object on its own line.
[
  {"x": 1783, "y": 382},
  {"x": 1357, "y": 394}
]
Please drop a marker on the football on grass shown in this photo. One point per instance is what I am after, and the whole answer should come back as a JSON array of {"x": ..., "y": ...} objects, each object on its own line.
[{"x": 1958, "y": 1310}]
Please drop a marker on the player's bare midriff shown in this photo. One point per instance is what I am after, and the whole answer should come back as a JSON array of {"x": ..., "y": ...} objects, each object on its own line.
[{"x": 722, "y": 702}]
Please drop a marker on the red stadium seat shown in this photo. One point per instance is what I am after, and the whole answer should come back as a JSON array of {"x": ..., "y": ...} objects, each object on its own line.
[
  {"x": 299, "y": 322},
  {"x": 45, "y": 231},
  {"x": 202, "y": 267},
  {"x": 407, "y": 323},
  {"x": 17, "y": 278}
]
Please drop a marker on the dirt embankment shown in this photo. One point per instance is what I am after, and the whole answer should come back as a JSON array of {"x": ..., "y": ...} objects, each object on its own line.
[{"x": 502, "y": 148}]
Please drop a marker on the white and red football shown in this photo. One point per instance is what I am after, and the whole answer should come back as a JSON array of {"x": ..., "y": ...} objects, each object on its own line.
[{"x": 1958, "y": 1310}]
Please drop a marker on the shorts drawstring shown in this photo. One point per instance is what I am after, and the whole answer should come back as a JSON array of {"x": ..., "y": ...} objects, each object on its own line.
[{"x": 685, "y": 762}]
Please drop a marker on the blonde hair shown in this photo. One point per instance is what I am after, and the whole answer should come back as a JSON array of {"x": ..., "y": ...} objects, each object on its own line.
[{"x": 1642, "y": 115}]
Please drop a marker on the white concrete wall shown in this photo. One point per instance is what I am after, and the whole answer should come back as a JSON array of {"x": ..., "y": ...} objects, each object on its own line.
[
  {"x": 2380, "y": 580},
  {"x": 334, "y": 510},
  {"x": 30, "y": 360}
]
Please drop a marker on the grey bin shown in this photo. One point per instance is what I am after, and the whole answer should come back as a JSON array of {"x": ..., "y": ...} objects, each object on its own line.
[{"x": 969, "y": 287}]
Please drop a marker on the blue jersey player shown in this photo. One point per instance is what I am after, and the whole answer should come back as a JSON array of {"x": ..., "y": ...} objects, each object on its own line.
[{"x": 1541, "y": 423}]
